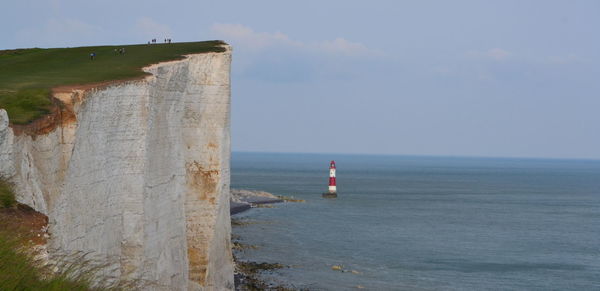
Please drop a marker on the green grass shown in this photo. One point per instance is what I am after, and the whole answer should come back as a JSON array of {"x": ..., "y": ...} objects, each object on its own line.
[
  {"x": 18, "y": 268},
  {"x": 7, "y": 196},
  {"x": 18, "y": 271},
  {"x": 28, "y": 75}
]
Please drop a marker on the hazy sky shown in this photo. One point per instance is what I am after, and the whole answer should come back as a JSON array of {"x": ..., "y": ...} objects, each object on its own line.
[{"x": 475, "y": 78}]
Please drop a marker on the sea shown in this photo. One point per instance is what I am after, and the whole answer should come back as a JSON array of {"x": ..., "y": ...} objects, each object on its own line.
[{"x": 424, "y": 223}]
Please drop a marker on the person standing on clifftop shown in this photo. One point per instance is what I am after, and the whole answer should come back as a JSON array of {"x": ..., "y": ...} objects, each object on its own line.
[{"x": 92, "y": 56}]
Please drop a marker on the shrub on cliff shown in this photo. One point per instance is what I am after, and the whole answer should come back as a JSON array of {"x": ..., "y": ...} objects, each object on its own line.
[{"x": 7, "y": 196}]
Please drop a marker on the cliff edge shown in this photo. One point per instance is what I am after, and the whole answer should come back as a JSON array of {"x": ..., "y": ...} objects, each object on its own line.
[{"x": 138, "y": 175}]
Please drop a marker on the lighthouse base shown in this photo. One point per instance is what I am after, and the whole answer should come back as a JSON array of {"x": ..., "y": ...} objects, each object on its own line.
[{"x": 329, "y": 195}]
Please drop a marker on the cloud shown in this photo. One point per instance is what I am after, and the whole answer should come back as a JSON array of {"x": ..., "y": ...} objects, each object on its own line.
[
  {"x": 564, "y": 60},
  {"x": 497, "y": 54},
  {"x": 340, "y": 45},
  {"x": 55, "y": 5},
  {"x": 59, "y": 32},
  {"x": 246, "y": 37},
  {"x": 442, "y": 70},
  {"x": 149, "y": 28}
]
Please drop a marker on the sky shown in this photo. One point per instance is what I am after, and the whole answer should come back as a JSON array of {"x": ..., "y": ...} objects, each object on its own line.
[{"x": 453, "y": 78}]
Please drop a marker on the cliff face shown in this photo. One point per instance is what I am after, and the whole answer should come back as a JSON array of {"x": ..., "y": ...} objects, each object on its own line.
[{"x": 139, "y": 177}]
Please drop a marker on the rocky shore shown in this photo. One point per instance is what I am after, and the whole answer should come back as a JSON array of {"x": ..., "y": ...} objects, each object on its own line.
[
  {"x": 242, "y": 200},
  {"x": 247, "y": 273}
]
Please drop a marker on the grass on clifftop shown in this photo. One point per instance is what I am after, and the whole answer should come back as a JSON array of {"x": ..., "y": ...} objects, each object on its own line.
[{"x": 28, "y": 75}]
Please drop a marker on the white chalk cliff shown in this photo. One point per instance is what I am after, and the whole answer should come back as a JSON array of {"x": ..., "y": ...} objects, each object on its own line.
[{"x": 139, "y": 176}]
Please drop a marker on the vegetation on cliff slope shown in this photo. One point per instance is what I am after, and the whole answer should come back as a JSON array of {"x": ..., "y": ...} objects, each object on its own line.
[
  {"x": 18, "y": 270},
  {"x": 7, "y": 196},
  {"x": 28, "y": 75},
  {"x": 21, "y": 229}
]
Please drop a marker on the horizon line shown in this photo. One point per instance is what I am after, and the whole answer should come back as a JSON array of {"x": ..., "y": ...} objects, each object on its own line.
[{"x": 423, "y": 155}]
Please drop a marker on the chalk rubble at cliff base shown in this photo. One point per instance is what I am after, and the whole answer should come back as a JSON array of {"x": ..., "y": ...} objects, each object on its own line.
[{"x": 242, "y": 200}]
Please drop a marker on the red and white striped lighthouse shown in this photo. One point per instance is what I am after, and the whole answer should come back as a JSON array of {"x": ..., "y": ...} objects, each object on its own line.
[{"x": 332, "y": 186}]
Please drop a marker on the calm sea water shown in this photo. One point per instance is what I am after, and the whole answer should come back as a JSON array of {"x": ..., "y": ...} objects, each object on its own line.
[{"x": 426, "y": 223}]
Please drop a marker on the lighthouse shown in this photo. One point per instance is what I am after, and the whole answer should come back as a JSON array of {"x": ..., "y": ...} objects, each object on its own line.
[
  {"x": 332, "y": 193},
  {"x": 332, "y": 187}
]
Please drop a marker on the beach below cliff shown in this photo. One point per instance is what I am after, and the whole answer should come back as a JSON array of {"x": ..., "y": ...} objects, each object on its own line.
[
  {"x": 248, "y": 274},
  {"x": 242, "y": 200}
]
